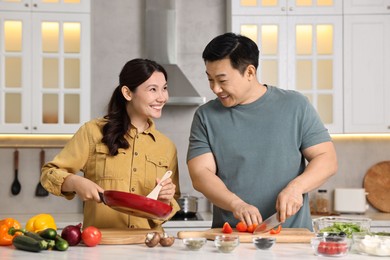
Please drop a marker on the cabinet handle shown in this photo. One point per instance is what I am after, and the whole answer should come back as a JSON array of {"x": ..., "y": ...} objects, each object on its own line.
[
  {"x": 35, "y": 5},
  {"x": 26, "y": 128},
  {"x": 290, "y": 8},
  {"x": 283, "y": 9},
  {"x": 35, "y": 128},
  {"x": 26, "y": 5}
]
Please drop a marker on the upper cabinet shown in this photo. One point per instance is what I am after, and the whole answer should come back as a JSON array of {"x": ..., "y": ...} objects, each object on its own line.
[
  {"x": 298, "y": 51},
  {"x": 44, "y": 66},
  {"x": 366, "y": 6}
]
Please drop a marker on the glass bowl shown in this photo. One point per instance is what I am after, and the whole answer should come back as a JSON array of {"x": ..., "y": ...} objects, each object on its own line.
[
  {"x": 331, "y": 245},
  {"x": 263, "y": 243},
  {"x": 341, "y": 224},
  {"x": 371, "y": 244},
  {"x": 226, "y": 243},
  {"x": 195, "y": 243}
]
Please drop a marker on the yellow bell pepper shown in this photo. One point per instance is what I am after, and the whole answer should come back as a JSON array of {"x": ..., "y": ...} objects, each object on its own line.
[
  {"x": 40, "y": 222},
  {"x": 5, "y": 225}
]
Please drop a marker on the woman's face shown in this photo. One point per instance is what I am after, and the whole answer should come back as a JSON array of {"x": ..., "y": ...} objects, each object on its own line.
[{"x": 149, "y": 98}]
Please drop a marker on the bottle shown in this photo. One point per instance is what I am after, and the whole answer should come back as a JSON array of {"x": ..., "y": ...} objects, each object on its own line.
[{"x": 322, "y": 202}]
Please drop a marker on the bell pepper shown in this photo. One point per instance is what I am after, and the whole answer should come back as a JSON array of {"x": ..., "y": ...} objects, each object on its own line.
[
  {"x": 40, "y": 222},
  {"x": 5, "y": 225}
]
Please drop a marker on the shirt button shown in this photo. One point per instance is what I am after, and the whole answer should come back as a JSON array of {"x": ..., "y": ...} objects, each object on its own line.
[
  {"x": 132, "y": 189},
  {"x": 132, "y": 226},
  {"x": 136, "y": 153},
  {"x": 159, "y": 163},
  {"x": 134, "y": 169}
]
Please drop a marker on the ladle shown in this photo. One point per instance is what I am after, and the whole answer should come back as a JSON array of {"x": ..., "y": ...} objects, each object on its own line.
[
  {"x": 16, "y": 187},
  {"x": 154, "y": 193}
]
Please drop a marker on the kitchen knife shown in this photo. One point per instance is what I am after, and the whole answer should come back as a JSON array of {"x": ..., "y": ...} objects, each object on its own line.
[{"x": 268, "y": 224}]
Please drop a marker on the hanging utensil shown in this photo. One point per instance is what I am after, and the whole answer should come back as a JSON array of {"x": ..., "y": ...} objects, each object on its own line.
[
  {"x": 16, "y": 187},
  {"x": 40, "y": 190},
  {"x": 154, "y": 193}
]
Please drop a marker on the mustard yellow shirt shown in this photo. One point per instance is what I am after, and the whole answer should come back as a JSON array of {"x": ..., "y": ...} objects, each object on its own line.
[{"x": 132, "y": 170}]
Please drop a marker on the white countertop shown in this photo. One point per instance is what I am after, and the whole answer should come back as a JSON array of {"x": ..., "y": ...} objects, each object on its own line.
[{"x": 177, "y": 251}]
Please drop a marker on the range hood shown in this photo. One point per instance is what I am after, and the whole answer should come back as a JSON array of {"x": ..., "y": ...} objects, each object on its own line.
[{"x": 160, "y": 38}]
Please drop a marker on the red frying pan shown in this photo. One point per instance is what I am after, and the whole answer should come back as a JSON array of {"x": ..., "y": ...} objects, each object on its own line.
[{"x": 136, "y": 205}]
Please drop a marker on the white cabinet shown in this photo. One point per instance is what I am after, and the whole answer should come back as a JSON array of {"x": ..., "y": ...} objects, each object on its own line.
[
  {"x": 298, "y": 51},
  {"x": 366, "y": 6},
  {"x": 44, "y": 68},
  {"x": 367, "y": 73},
  {"x": 74, "y": 6}
]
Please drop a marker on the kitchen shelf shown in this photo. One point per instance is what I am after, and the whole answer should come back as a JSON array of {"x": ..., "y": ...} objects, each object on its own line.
[{"x": 34, "y": 140}]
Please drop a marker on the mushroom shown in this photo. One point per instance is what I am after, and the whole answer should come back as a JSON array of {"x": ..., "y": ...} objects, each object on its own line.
[
  {"x": 152, "y": 239},
  {"x": 167, "y": 240}
]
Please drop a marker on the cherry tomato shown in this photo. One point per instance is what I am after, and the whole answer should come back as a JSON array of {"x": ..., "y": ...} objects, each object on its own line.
[
  {"x": 276, "y": 231},
  {"x": 91, "y": 236},
  {"x": 227, "y": 229},
  {"x": 241, "y": 227},
  {"x": 251, "y": 228}
]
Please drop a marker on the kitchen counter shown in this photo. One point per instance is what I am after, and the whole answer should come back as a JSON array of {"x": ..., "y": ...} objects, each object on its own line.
[{"x": 177, "y": 251}]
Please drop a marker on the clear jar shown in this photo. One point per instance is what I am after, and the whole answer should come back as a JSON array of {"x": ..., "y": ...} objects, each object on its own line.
[{"x": 322, "y": 201}]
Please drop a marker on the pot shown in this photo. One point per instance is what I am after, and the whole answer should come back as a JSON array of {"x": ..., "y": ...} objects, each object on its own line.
[{"x": 188, "y": 205}]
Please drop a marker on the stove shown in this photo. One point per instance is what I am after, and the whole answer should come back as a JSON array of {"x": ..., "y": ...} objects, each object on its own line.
[{"x": 187, "y": 217}]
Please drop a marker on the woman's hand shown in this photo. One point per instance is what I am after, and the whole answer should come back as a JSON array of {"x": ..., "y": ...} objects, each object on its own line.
[
  {"x": 167, "y": 191},
  {"x": 84, "y": 188}
]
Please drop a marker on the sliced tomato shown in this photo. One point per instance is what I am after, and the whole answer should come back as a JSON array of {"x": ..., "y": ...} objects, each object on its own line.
[
  {"x": 241, "y": 227},
  {"x": 276, "y": 230},
  {"x": 251, "y": 228},
  {"x": 227, "y": 229}
]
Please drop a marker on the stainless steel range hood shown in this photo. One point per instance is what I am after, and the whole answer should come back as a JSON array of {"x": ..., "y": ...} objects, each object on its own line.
[{"x": 160, "y": 38}]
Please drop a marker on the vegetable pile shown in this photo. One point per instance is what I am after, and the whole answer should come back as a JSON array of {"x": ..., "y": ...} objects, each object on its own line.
[
  {"x": 347, "y": 228},
  {"x": 242, "y": 227}
]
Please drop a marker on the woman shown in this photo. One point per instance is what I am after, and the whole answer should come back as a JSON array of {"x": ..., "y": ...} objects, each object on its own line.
[{"x": 122, "y": 151}]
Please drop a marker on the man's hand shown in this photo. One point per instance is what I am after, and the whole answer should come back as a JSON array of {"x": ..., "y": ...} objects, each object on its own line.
[
  {"x": 288, "y": 203},
  {"x": 245, "y": 212}
]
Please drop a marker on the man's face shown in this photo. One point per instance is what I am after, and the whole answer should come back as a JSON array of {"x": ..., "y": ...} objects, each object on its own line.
[{"x": 227, "y": 83}]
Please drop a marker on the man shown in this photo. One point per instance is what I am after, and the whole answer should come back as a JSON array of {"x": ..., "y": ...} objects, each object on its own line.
[{"x": 248, "y": 147}]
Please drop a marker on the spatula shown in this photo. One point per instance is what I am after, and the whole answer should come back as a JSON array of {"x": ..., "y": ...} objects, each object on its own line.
[
  {"x": 40, "y": 190},
  {"x": 154, "y": 193}
]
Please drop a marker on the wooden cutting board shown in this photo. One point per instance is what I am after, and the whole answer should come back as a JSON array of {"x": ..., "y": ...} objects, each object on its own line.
[
  {"x": 112, "y": 236},
  {"x": 286, "y": 235},
  {"x": 377, "y": 185}
]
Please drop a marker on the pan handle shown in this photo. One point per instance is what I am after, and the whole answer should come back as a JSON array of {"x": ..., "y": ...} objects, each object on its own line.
[{"x": 101, "y": 195}]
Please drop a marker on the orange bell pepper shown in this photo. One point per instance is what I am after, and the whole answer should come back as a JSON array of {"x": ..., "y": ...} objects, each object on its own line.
[
  {"x": 276, "y": 230},
  {"x": 5, "y": 225}
]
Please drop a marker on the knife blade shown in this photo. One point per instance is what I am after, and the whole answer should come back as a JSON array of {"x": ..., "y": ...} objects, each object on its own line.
[{"x": 268, "y": 224}]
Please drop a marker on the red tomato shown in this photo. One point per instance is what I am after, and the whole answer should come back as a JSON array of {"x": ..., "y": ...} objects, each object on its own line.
[
  {"x": 91, "y": 236},
  {"x": 332, "y": 248},
  {"x": 276, "y": 231},
  {"x": 241, "y": 227},
  {"x": 322, "y": 248},
  {"x": 227, "y": 229},
  {"x": 251, "y": 228}
]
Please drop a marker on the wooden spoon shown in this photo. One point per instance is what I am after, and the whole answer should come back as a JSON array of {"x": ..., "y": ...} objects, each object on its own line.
[{"x": 154, "y": 193}]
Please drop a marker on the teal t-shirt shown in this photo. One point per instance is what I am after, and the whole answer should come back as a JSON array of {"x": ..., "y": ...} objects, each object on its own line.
[{"x": 257, "y": 148}]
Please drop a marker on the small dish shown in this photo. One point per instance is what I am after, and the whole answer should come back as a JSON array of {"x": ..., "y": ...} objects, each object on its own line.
[
  {"x": 226, "y": 243},
  {"x": 263, "y": 243},
  {"x": 194, "y": 243},
  {"x": 331, "y": 246},
  {"x": 371, "y": 244}
]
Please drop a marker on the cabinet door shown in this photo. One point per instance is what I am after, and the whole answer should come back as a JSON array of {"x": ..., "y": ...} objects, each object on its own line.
[
  {"x": 270, "y": 34},
  {"x": 366, "y": 6},
  {"x": 366, "y": 73},
  {"x": 315, "y": 64},
  {"x": 77, "y": 6},
  {"x": 61, "y": 69},
  {"x": 278, "y": 7},
  {"x": 15, "y": 72}
]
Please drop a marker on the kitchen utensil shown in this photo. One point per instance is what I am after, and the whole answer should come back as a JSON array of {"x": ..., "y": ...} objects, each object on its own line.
[
  {"x": 40, "y": 190},
  {"x": 16, "y": 187},
  {"x": 377, "y": 185},
  {"x": 188, "y": 205},
  {"x": 114, "y": 236},
  {"x": 136, "y": 205},
  {"x": 268, "y": 224},
  {"x": 154, "y": 193},
  {"x": 286, "y": 235}
]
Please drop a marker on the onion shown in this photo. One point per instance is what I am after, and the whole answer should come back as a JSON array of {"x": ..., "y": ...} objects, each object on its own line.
[{"x": 72, "y": 234}]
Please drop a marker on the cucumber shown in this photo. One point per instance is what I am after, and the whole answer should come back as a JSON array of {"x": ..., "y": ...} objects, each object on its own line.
[
  {"x": 26, "y": 243},
  {"x": 49, "y": 233},
  {"x": 61, "y": 244},
  {"x": 46, "y": 243}
]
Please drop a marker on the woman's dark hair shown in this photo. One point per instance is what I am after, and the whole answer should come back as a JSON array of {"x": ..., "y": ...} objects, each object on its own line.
[
  {"x": 134, "y": 73},
  {"x": 241, "y": 51}
]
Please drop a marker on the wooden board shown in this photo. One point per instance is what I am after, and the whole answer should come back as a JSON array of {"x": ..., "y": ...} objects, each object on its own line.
[
  {"x": 287, "y": 235},
  {"x": 377, "y": 185},
  {"x": 112, "y": 236}
]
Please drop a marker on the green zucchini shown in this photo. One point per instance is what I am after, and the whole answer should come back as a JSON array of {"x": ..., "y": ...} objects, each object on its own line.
[
  {"x": 49, "y": 233},
  {"x": 61, "y": 244},
  {"x": 46, "y": 243},
  {"x": 26, "y": 243}
]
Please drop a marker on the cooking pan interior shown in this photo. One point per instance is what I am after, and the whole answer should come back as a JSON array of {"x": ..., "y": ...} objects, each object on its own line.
[{"x": 136, "y": 205}]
